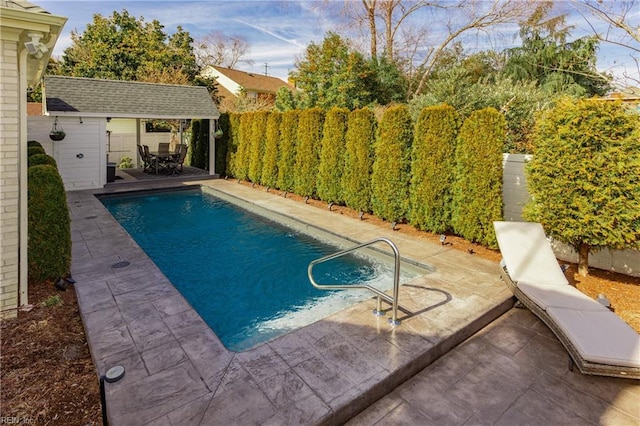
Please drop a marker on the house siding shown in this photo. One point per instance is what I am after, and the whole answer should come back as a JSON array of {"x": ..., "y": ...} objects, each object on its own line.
[{"x": 9, "y": 177}]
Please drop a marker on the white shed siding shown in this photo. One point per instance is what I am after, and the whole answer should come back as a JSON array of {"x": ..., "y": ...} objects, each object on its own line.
[
  {"x": 81, "y": 156},
  {"x": 9, "y": 177}
]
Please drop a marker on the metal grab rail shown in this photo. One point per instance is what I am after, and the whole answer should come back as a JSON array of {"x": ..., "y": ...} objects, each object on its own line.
[{"x": 393, "y": 300}]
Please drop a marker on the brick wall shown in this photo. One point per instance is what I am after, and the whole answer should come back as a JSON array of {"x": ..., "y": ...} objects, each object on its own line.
[{"x": 9, "y": 191}]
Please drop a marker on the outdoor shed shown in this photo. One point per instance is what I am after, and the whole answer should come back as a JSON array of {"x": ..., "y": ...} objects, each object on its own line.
[{"x": 96, "y": 115}]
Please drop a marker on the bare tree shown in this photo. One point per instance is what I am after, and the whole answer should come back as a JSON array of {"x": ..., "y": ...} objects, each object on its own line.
[
  {"x": 218, "y": 49},
  {"x": 622, "y": 27}
]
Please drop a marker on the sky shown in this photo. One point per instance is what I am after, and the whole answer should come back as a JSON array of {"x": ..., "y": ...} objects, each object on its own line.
[{"x": 278, "y": 31}]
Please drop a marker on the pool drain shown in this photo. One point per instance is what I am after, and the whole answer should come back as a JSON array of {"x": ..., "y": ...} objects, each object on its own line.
[{"x": 122, "y": 264}]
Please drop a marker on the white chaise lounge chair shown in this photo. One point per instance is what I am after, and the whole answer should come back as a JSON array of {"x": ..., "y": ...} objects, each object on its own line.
[{"x": 598, "y": 341}]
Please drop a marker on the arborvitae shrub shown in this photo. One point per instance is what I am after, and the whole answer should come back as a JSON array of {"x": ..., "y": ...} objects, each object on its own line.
[
  {"x": 310, "y": 126},
  {"x": 584, "y": 177},
  {"x": 195, "y": 135},
  {"x": 202, "y": 155},
  {"x": 232, "y": 147},
  {"x": 40, "y": 159},
  {"x": 33, "y": 143},
  {"x": 257, "y": 143},
  {"x": 33, "y": 150},
  {"x": 222, "y": 144},
  {"x": 271, "y": 153},
  {"x": 433, "y": 168},
  {"x": 244, "y": 146},
  {"x": 358, "y": 159},
  {"x": 477, "y": 195},
  {"x": 331, "y": 166},
  {"x": 49, "y": 231},
  {"x": 392, "y": 165},
  {"x": 288, "y": 143}
]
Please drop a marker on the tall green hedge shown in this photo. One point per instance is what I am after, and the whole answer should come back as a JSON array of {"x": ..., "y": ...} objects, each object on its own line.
[
  {"x": 584, "y": 178},
  {"x": 244, "y": 146},
  {"x": 392, "y": 165},
  {"x": 202, "y": 154},
  {"x": 358, "y": 159},
  {"x": 271, "y": 150},
  {"x": 310, "y": 127},
  {"x": 195, "y": 135},
  {"x": 222, "y": 144},
  {"x": 232, "y": 146},
  {"x": 477, "y": 195},
  {"x": 257, "y": 142},
  {"x": 288, "y": 144},
  {"x": 433, "y": 168},
  {"x": 49, "y": 225},
  {"x": 331, "y": 166}
]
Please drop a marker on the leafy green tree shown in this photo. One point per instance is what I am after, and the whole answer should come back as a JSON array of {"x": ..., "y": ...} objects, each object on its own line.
[
  {"x": 271, "y": 152},
  {"x": 195, "y": 137},
  {"x": 584, "y": 178},
  {"x": 433, "y": 168},
  {"x": 556, "y": 64},
  {"x": 391, "y": 173},
  {"x": 288, "y": 144},
  {"x": 286, "y": 100},
  {"x": 122, "y": 47},
  {"x": 358, "y": 159},
  {"x": 331, "y": 167},
  {"x": 477, "y": 192},
  {"x": 310, "y": 124},
  {"x": 222, "y": 144},
  {"x": 332, "y": 74}
]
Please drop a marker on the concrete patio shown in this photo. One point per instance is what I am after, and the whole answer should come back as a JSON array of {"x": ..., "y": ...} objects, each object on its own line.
[{"x": 178, "y": 372}]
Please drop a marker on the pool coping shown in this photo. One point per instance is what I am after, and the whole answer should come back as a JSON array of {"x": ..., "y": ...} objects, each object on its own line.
[{"x": 178, "y": 372}]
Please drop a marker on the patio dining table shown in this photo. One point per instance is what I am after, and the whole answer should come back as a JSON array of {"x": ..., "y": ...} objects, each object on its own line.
[{"x": 162, "y": 157}]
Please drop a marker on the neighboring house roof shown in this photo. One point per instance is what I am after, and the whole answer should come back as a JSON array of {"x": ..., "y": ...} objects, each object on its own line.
[
  {"x": 252, "y": 82},
  {"x": 125, "y": 99},
  {"x": 34, "y": 108}
]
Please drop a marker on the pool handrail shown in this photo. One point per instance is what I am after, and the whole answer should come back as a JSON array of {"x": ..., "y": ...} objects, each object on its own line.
[{"x": 392, "y": 300}]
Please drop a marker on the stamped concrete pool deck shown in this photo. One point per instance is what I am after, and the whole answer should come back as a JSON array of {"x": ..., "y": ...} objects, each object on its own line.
[{"x": 178, "y": 373}]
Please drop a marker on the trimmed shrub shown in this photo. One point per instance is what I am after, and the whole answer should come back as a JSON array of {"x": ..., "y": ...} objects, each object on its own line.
[
  {"x": 222, "y": 144},
  {"x": 271, "y": 155},
  {"x": 244, "y": 146},
  {"x": 288, "y": 144},
  {"x": 195, "y": 135},
  {"x": 358, "y": 159},
  {"x": 232, "y": 147},
  {"x": 33, "y": 143},
  {"x": 49, "y": 229},
  {"x": 477, "y": 194},
  {"x": 33, "y": 150},
  {"x": 305, "y": 173},
  {"x": 202, "y": 154},
  {"x": 390, "y": 177},
  {"x": 257, "y": 143},
  {"x": 331, "y": 166},
  {"x": 433, "y": 168},
  {"x": 584, "y": 178},
  {"x": 39, "y": 159}
]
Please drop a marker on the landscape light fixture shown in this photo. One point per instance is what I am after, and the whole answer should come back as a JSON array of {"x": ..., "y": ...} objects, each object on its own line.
[{"x": 113, "y": 375}]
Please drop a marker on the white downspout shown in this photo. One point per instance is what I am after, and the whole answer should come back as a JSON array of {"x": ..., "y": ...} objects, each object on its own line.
[{"x": 23, "y": 216}]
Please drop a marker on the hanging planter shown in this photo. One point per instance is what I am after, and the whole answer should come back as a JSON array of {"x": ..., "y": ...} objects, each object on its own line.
[
  {"x": 56, "y": 133},
  {"x": 218, "y": 134}
]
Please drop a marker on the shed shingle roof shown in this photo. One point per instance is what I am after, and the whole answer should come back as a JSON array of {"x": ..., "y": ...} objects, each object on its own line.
[{"x": 126, "y": 99}]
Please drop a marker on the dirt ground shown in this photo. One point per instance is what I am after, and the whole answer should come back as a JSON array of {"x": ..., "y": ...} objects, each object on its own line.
[{"x": 47, "y": 376}]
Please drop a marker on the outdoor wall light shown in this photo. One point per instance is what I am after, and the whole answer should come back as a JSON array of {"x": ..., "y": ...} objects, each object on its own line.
[
  {"x": 80, "y": 120},
  {"x": 35, "y": 47},
  {"x": 113, "y": 375}
]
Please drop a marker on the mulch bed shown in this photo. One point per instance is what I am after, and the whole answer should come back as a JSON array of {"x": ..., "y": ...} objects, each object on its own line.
[{"x": 47, "y": 376}]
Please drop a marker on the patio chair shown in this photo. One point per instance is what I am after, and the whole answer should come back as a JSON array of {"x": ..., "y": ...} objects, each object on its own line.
[
  {"x": 150, "y": 158},
  {"x": 163, "y": 148},
  {"x": 146, "y": 160},
  {"x": 175, "y": 164},
  {"x": 597, "y": 340}
]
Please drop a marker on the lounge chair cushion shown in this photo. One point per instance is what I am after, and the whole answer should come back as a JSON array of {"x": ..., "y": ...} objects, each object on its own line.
[
  {"x": 599, "y": 336},
  {"x": 527, "y": 253},
  {"x": 559, "y": 296}
]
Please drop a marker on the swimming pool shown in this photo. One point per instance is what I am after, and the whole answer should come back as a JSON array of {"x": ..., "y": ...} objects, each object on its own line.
[{"x": 244, "y": 274}]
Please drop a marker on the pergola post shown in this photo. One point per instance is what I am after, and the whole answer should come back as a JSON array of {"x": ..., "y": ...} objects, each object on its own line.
[{"x": 212, "y": 147}]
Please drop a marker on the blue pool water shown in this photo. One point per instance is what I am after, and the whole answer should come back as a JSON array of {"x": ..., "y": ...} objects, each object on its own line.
[{"x": 245, "y": 275}]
